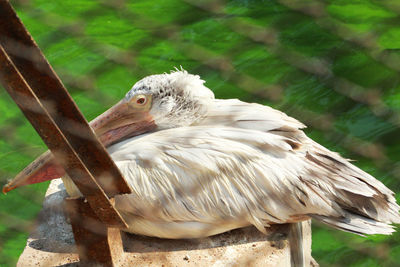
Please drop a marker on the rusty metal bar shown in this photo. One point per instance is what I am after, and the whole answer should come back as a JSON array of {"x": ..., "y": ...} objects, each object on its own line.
[
  {"x": 97, "y": 244},
  {"x": 33, "y": 66},
  {"x": 39, "y": 93},
  {"x": 36, "y": 113}
]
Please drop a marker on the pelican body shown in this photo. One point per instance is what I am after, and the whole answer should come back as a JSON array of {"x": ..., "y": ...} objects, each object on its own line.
[{"x": 199, "y": 166}]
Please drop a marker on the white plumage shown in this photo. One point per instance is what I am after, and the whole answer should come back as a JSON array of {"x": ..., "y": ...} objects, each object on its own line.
[{"x": 215, "y": 165}]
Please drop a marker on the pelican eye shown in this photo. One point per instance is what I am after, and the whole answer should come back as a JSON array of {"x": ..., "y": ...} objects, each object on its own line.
[{"x": 141, "y": 100}]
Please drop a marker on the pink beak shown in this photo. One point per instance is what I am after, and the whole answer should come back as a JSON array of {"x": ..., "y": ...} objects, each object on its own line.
[{"x": 114, "y": 125}]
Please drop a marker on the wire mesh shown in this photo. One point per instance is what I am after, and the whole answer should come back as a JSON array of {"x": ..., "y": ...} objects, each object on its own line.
[{"x": 334, "y": 65}]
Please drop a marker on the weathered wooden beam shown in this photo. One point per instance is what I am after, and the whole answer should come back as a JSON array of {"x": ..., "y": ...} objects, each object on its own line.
[{"x": 300, "y": 246}]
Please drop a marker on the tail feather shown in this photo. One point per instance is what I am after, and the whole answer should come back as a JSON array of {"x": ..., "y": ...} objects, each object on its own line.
[
  {"x": 357, "y": 224},
  {"x": 366, "y": 205}
]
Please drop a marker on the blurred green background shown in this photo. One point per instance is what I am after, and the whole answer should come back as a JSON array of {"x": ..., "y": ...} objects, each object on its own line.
[{"x": 334, "y": 65}]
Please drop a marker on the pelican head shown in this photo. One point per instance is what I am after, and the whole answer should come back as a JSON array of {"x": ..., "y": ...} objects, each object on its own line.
[{"x": 158, "y": 101}]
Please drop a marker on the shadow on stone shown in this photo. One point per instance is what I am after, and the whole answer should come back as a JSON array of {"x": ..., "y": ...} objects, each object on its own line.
[
  {"x": 50, "y": 245},
  {"x": 142, "y": 244}
]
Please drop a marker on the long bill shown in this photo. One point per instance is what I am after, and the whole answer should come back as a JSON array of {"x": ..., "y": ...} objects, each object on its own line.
[{"x": 116, "y": 124}]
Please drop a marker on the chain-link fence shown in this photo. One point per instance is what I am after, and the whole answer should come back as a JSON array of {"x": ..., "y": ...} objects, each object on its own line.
[{"x": 334, "y": 65}]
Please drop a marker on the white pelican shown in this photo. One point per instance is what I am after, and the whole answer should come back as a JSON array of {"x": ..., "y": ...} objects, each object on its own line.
[{"x": 200, "y": 166}]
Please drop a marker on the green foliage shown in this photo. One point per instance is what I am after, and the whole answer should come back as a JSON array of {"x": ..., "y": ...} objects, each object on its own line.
[{"x": 326, "y": 63}]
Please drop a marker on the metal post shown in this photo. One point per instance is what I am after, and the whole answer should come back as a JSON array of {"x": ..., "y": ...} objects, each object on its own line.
[{"x": 39, "y": 93}]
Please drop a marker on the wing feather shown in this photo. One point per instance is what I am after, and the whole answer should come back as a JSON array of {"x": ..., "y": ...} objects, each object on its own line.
[
  {"x": 213, "y": 175},
  {"x": 235, "y": 113},
  {"x": 244, "y": 164}
]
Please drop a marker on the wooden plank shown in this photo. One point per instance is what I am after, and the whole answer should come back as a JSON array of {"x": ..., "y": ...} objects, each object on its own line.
[
  {"x": 38, "y": 116},
  {"x": 44, "y": 82},
  {"x": 300, "y": 245}
]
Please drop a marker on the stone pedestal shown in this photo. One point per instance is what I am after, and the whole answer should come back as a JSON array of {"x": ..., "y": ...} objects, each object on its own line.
[{"x": 52, "y": 244}]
